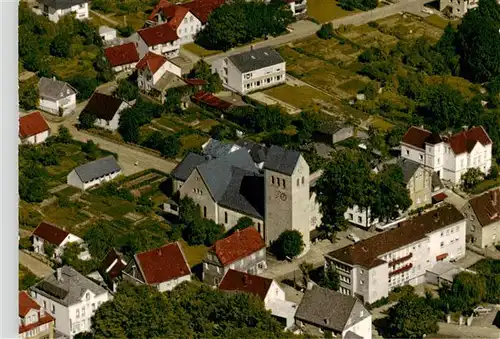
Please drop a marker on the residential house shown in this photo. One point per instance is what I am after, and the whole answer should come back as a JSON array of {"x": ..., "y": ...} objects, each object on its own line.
[
  {"x": 107, "y": 33},
  {"x": 111, "y": 268},
  {"x": 94, "y": 173},
  {"x": 163, "y": 268},
  {"x": 56, "y": 97},
  {"x": 330, "y": 132},
  {"x": 34, "y": 321},
  {"x": 323, "y": 311},
  {"x": 371, "y": 268},
  {"x": 46, "y": 234},
  {"x": 151, "y": 68},
  {"x": 71, "y": 298},
  {"x": 253, "y": 70},
  {"x": 244, "y": 250},
  {"x": 268, "y": 290},
  {"x": 298, "y": 7},
  {"x": 450, "y": 156},
  {"x": 161, "y": 39},
  {"x": 483, "y": 219},
  {"x": 106, "y": 109},
  {"x": 457, "y": 8},
  {"x": 54, "y": 10},
  {"x": 122, "y": 57},
  {"x": 33, "y": 129}
]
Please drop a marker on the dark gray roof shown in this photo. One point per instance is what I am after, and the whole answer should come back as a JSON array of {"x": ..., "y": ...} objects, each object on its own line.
[
  {"x": 62, "y": 4},
  {"x": 409, "y": 168},
  {"x": 97, "y": 168},
  {"x": 281, "y": 160},
  {"x": 352, "y": 335},
  {"x": 216, "y": 148},
  {"x": 70, "y": 289},
  {"x": 325, "y": 308},
  {"x": 54, "y": 89},
  {"x": 258, "y": 152},
  {"x": 183, "y": 170},
  {"x": 256, "y": 59}
]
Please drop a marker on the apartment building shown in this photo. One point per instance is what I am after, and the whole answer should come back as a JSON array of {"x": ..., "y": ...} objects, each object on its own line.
[
  {"x": 458, "y": 8},
  {"x": 161, "y": 39},
  {"x": 450, "y": 156},
  {"x": 54, "y": 10},
  {"x": 250, "y": 71},
  {"x": 371, "y": 268}
]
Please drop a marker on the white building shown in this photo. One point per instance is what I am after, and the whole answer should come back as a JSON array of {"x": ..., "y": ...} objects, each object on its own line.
[
  {"x": 449, "y": 156},
  {"x": 70, "y": 298},
  {"x": 268, "y": 290},
  {"x": 54, "y": 10},
  {"x": 34, "y": 321},
  {"x": 250, "y": 71},
  {"x": 33, "y": 129},
  {"x": 161, "y": 39},
  {"x": 163, "y": 268},
  {"x": 106, "y": 109},
  {"x": 322, "y": 310},
  {"x": 458, "y": 8},
  {"x": 181, "y": 20},
  {"x": 298, "y": 7},
  {"x": 372, "y": 267},
  {"x": 47, "y": 234},
  {"x": 56, "y": 97},
  {"x": 151, "y": 68},
  {"x": 107, "y": 33},
  {"x": 94, "y": 173},
  {"x": 122, "y": 58}
]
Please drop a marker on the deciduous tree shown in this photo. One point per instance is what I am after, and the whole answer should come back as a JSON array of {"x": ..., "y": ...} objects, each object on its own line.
[{"x": 288, "y": 245}]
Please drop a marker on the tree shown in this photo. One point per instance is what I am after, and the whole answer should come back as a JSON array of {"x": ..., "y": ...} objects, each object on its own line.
[
  {"x": 91, "y": 150},
  {"x": 128, "y": 126},
  {"x": 493, "y": 175},
  {"x": 61, "y": 46},
  {"x": 222, "y": 132},
  {"x": 306, "y": 269},
  {"x": 325, "y": 32},
  {"x": 471, "y": 178},
  {"x": 28, "y": 96},
  {"x": 126, "y": 90},
  {"x": 84, "y": 85},
  {"x": 330, "y": 278},
  {"x": 214, "y": 84},
  {"x": 443, "y": 106},
  {"x": 243, "y": 222},
  {"x": 200, "y": 70},
  {"x": 171, "y": 146},
  {"x": 447, "y": 47},
  {"x": 466, "y": 291},
  {"x": 86, "y": 120},
  {"x": 49, "y": 249},
  {"x": 412, "y": 317},
  {"x": 288, "y": 245},
  {"x": 63, "y": 135},
  {"x": 102, "y": 67}
]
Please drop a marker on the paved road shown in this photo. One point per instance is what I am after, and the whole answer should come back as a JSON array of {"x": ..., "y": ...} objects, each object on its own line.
[
  {"x": 463, "y": 331},
  {"x": 37, "y": 267}
]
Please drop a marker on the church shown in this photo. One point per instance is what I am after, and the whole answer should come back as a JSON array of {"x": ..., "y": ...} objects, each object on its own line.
[{"x": 270, "y": 185}]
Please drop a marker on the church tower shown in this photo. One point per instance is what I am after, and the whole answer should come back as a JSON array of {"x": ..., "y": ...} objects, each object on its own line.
[{"x": 286, "y": 176}]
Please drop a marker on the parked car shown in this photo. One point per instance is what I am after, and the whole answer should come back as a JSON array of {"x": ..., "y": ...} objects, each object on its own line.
[
  {"x": 353, "y": 237},
  {"x": 482, "y": 310}
]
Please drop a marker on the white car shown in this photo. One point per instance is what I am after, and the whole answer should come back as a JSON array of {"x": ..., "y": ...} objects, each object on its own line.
[
  {"x": 353, "y": 237},
  {"x": 482, "y": 310}
]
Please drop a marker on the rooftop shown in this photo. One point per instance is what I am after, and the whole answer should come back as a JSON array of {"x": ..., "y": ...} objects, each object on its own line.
[
  {"x": 255, "y": 59},
  {"x": 160, "y": 34},
  {"x": 240, "y": 244},
  {"x": 244, "y": 282},
  {"x": 50, "y": 233},
  {"x": 466, "y": 140},
  {"x": 418, "y": 137},
  {"x": 487, "y": 207},
  {"x": 26, "y": 304},
  {"x": 122, "y": 54},
  {"x": 54, "y": 89},
  {"x": 152, "y": 61},
  {"x": 102, "y": 106},
  {"x": 32, "y": 124},
  {"x": 97, "y": 168}
]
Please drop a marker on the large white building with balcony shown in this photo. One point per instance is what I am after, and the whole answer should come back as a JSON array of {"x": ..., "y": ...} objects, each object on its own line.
[
  {"x": 161, "y": 39},
  {"x": 54, "y": 10},
  {"x": 371, "y": 268},
  {"x": 449, "y": 156},
  {"x": 251, "y": 71}
]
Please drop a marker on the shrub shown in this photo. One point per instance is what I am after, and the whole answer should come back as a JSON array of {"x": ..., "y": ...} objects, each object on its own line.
[
  {"x": 325, "y": 32},
  {"x": 288, "y": 245}
]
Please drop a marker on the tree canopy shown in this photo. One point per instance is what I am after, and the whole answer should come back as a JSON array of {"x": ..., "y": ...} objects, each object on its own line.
[{"x": 288, "y": 245}]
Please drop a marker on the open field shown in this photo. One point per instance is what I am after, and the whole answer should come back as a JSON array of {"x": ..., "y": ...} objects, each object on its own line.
[
  {"x": 199, "y": 51},
  {"x": 79, "y": 64},
  {"x": 326, "y": 10},
  {"x": 194, "y": 254},
  {"x": 303, "y": 97}
]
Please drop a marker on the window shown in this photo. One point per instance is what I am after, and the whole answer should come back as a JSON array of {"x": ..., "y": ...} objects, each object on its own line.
[
  {"x": 303, "y": 180},
  {"x": 442, "y": 244},
  {"x": 284, "y": 184},
  {"x": 298, "y": 182},
  {"x": 421, "y": 156},
  {"x": 351, "y": 216},
  {"x": 83, "y": 311},
  {"x": 225, "y": 217},
  {"x": 258, "y": 227},
  {"x": 93, "y": 307},
  {"x": 360, "y": 219},
  {"x": 272, "y": 180},
  {"x": 258, "y": 83},
  {"x": 278, "y": 77},
  {"x": 44, "y": 304},
  {"x": 407, "y": 152},
  {"x": 278, "y": 181},
  {"x": 361, "y": 282},
  {"x": 78, "y": 313},
  {"x": 204, "y": 211},
  {"x": 53, "y": 308},
  {"x": 87, "y": 296},
  {"x": 361, "y": 272}
]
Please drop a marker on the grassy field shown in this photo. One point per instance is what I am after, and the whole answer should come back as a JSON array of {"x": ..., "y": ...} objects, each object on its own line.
[
  {"x": 194, "y": 254},
  {"x": 26, "y": 278},
  {"x": 326, "y": 10},
  {"x": 79, "y": 64},
  {"x": 64, "y": 217},
  {"x": 302, "y": 97},
  {"x": 199, "y": 51},
  {"x": 441, "y": 22},
  {"x": 194, "y": 140}
]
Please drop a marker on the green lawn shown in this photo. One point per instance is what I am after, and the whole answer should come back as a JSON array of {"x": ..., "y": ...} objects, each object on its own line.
[
  {"x": 353, "y": 86},
  {"x": 189, "y": 141},
  {"x": 206, "y": 125},
  {"x": 67, "y": 192},
  {"x": 440, "y": 22},
  {"x": 26, "y": 278},
  {"x": 64, "y": 217},
  {"x": 112, "y": 206},
  {"x": 80, "y": 63},
  {"x": 199, "y": 51},
  {"x": 298, "y": 96},
  {"x": 194, "y": 254},
  {"x": 326, "y": 10},
  {"x": 381, "y": 124}
]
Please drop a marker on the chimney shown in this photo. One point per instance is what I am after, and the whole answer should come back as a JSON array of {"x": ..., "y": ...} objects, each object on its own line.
[
  {"x": 59, "y": 274},
  {"x": 327, "y": 321},
  {"x": 494, "y": 197}
]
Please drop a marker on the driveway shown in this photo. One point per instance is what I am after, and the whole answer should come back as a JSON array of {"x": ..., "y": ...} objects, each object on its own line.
[{"x": 37, "y": 267}]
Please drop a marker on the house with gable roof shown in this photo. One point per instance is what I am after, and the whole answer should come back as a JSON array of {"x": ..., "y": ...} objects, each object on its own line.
[
  {"x": 33, "y": 129},
  {"x": 94, "y": 173},
  {"x": 450, "y": 156},
  {"x": 323, "y": 310},
  {"x": 106, "y": 109},
  {"x": 47, "y": 234},
  {"x": 160, "y": 39},
  {"x": 56, "y": 97},
  {"x": 244, "y": 251},
  {"x": 163, "y": 268},
  {"x": 71, "y": 298},
  {"x": 34, "y": 321},
  {"x": 151, "y": 69},
  {"x": 54, "y": 10},
  {"x": 111, "y": 268},
  {"x": 122, "y": 57}
]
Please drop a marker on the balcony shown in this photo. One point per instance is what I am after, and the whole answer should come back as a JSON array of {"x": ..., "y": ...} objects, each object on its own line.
[
  {"x": 401, "y": 270},
  {"x": 400, "y": 260}
]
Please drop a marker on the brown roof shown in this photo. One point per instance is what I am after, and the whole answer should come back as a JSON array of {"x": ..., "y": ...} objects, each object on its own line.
[
  {"x": 366, "y": 252},
  {"x": 162, "y": 264},
  {"x": 32, "y": 124},
  {"x": 122, "y": 55},
  {"x": 162, "y": 4},
  {"x": 159, "y": 34},
  {"x": 102, "y": 106},
  {"x": 203, "y": 8},
  {"x": 152, "y": 61},
  {"x": 244, "y": 282},
  {"x": 418, "y": 137},
  {"x": 240, "y": 244},
  {"x": 50, "y": 233},
  {"x": 108, "y": 261},
  {"x": 487, "y": 207},
  {"x": 26, "y": 304},
  {"x": 466, "y": 140}
]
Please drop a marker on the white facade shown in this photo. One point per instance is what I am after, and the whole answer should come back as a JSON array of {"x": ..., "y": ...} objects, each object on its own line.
[
  {"x": 111, "y": 125},
  {"x": 169, "y": 49},
  {"x": 362, "y": 328},
  {"x": 75, "y": 318},
  {"x": 107, "y": 33},
  {"x": 58, "y": 250},
  {"x": 64, "y": 105},
  {"x": 243, "y": 83},
  {"x": 74, "y": 180},
  {"x": 171, "y": 284},
  {"x": 35, "y": 139},
  {"x": 298, "y": 7},
  {"x": 129, "y": 68},
  {"x": 80, "y": 11},
  {"x": 189, "y": 27},
  {"x": 146, "y": 81},
  {"x": 359, "y": 217},
  {"x": 458, "y": 8}
]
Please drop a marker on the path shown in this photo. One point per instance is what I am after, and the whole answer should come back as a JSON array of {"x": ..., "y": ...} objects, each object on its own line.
[
  {"x": 463, "y": 331},
  {"x": 37, "y": 267},
  {"x": 105, "y": 18}
]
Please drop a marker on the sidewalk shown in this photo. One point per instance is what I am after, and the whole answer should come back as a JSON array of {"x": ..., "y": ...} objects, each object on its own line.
[{"x": 37, "y": 267}]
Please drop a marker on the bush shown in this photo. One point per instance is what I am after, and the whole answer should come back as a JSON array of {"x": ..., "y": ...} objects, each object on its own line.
[
  {"x": 288, "y": 245},
  {"x": 124, "y": 31},
  {"x": 325, "y": 32}
]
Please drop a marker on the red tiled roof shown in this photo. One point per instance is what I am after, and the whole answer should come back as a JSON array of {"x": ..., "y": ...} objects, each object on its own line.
[
  {"x": 174, "y": 15},
  {"x": 159, "y": 34},
  {"x": 32, "y": 124},
  {"x": 122, "y": 55},
  {"x": 152, "y": 61},
  {"x": 418, "y": 137},
  {"x": 162, "y": 264},
  {"x": 50, "y": 233},
  {"x": 162, "y": 4},
  {"x": 211, "y": 100},
  {"x": 366, "y": 252},
  {"x": 466, "y": 140},
  {"x": 238, "y": 245},
  {"x": 26, "y": 304},
  {"x": 439, "y": 197},
  {"x": 487, "y": 207},
  {"x": 244, "y": 282},
  {"x": 203, "y": 8}
]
